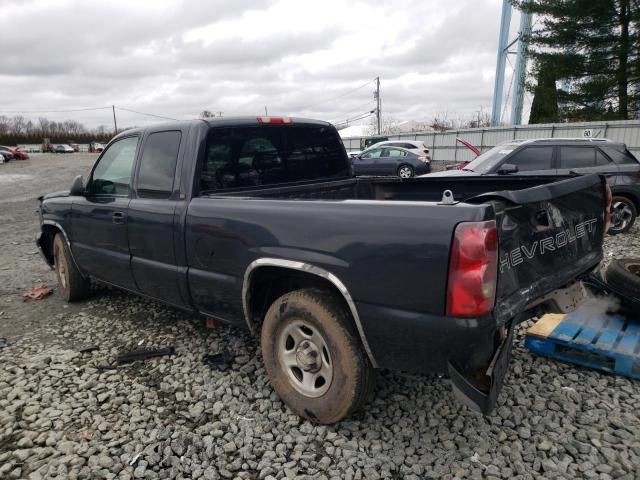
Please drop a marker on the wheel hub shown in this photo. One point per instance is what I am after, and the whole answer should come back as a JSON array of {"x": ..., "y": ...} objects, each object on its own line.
[{"x": 308, "y": 356}]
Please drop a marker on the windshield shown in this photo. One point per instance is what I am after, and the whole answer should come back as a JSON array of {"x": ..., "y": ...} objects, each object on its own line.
[{"x": 489, "y": 159}]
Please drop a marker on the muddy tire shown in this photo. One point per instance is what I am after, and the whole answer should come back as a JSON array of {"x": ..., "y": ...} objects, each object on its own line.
[
  {"x": 72, "y": 284},
  {"x": 313, "y": 356}
]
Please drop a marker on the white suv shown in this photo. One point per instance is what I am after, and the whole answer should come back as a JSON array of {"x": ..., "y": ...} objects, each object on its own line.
[{"x": 416, "y": 146}]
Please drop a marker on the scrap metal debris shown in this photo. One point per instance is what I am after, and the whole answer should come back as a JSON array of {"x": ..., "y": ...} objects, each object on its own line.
[
  {"x": 222, "y": 361},
  {"x": 38, "y": 293},
  {"x": 143, "y": 354}
]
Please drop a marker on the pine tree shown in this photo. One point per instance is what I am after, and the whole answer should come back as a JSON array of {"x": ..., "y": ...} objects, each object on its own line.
[
  {"x": 592, "y": 46},
  {"x": 544, "y": 108}
]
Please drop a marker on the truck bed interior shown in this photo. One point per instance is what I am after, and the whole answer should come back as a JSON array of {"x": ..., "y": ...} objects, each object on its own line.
[{"x": 429, "y": 189}]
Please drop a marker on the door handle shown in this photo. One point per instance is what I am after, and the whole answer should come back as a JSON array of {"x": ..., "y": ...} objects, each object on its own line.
[{"x": 118, "y": 218}]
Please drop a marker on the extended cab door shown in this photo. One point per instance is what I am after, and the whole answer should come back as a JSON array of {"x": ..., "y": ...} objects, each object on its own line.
[
  {"x": 99, "y": 219},
  {"x": 153, "y": 226}
]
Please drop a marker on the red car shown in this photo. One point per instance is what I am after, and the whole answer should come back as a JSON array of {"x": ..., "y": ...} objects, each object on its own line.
[{"x": 17, "y": 153}]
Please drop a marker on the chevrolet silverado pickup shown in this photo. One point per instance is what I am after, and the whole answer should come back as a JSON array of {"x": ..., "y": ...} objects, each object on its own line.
[{"x": 260, "y": 223}]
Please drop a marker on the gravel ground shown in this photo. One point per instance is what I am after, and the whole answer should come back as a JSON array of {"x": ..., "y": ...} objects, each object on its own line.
[{"x": 65, "y": 414}]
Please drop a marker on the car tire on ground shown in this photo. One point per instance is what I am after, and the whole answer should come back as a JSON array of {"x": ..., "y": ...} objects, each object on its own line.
[
  {"x": 623, "y": 214},
  {"x": 313, "y": 356},
  {"x": 73, "y": 285},
  {"x": 405, "y": 171},
  {"x": 624, "y": 277}
]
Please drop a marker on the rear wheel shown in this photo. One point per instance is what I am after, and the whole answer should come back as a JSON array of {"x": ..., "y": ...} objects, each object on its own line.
[
  {"x": 74, "y": 285},
  {"x": 623, "y": 214},
  {"x": 313, "y": 356},
  {"x": 405, "y": 171}
]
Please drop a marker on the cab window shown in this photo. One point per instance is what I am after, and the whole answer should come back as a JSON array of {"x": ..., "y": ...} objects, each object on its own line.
[
  {"x": 112, "y": 174},
  {"x": 158, "y": 164}
]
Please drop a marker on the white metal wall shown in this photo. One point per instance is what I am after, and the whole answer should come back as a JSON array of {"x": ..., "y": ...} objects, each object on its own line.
[{"x": 445, "y": 149}]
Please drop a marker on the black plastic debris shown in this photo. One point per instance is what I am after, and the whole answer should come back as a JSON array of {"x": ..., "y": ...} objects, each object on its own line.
[
  {"x": 4, "y": 342},
  {"x": 88, "y": 349},
  {"x": 143, "y": 354},
  {"x": 221, "y": 361}
]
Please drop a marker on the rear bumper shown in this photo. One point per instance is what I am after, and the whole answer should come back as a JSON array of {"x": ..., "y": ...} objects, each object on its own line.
[{"x": 469, "y": 350}]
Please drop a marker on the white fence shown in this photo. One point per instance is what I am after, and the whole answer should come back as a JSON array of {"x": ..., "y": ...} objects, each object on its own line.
[{"x": 446, "y": 150}]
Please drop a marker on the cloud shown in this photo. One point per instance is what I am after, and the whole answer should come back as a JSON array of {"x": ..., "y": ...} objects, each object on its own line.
[{"x": 177, "y": 58}]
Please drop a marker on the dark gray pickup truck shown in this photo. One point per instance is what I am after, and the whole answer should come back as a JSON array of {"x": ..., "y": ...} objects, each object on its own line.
[{"x": 259, "y": 222}]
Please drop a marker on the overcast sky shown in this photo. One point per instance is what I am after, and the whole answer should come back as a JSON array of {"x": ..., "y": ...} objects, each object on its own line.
[{"x": 177, "y": 58}]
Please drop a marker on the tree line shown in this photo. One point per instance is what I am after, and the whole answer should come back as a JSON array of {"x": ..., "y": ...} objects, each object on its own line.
[
  {"x": 586, "y": 59},
  {"x": 18, "y": 129}
]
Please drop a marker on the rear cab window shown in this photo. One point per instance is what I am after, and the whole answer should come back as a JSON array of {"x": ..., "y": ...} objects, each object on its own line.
[{"x": 249, "y": 156}]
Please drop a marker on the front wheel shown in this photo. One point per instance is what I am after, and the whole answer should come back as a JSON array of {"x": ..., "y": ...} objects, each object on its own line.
[
  {"x": 74, "y": 285},
  {"x": 405, "y": 171},
  {"x": 623, "y": 214},
  {"x": 313, "y": 356}
]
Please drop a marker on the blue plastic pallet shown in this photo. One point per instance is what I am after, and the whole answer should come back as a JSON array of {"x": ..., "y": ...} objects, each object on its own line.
[{"x": 603, "y": 342}]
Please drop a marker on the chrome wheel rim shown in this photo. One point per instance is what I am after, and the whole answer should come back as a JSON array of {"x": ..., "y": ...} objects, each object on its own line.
[
  {"x": 305, "y": 358},
  {"x": 405, "y": 172},
  {"x": 621, "y": 215}
]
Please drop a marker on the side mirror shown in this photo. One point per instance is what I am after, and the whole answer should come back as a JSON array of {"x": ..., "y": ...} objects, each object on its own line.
[
  {"x": 507, "y": 168},
  {"x": 77, "y": 187}
]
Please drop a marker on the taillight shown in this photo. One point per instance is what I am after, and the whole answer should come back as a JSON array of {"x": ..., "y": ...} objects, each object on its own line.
[
  {"x": 607, "y": 208},
  {"x": 473, "y": 269},
  {"x": 423, "y": 158},
  {"x": 274, "y": 120}
]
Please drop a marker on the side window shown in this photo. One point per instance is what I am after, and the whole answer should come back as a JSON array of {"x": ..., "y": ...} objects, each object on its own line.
[
  {"x": 158, "y": 164},
  {"x": 373, "y": 154},
  {"x": 619, "y": 153},
  {"x": 394, "y": 152},
  {"x": 601, "y": 160},
  {"x": 407, "y": 145},
  {"x": 577, "y": 157},
  {"x": 112, "y": 174},
  {"x": 532, "y": 158}
]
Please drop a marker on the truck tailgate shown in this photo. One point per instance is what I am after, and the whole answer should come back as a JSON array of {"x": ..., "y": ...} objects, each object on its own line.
[{"x": 548, "y": 235}]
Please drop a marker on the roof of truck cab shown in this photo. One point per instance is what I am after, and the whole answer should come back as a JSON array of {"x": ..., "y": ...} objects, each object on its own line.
[{"x": 220, "y": 122}]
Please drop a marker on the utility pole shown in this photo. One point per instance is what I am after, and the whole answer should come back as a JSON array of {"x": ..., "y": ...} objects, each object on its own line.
[
  {"x": 115, "y": 124},
  {"x": 266, "y": 112},
  {"x": 376, "y": 95},
  {"x": 521, "y": 68},
  {"x": 505, "y": 21}
]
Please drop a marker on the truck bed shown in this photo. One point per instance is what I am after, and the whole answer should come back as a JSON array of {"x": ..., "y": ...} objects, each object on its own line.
[{"x": 425, "y": 189}]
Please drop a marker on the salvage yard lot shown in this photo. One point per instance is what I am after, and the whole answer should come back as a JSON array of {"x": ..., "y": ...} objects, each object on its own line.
[{"x": 69, "y": 415}]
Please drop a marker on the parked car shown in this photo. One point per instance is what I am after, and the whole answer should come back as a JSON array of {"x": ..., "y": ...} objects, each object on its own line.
[
  {"x": 565, "y": 156},
  {"x": 18, "y": 154},
  {"x": 2, "y": 158},
  {"x": 417, "y": 147},
  {"x": 64, "y": 148},
  {"x": 391, "y": 161},
  {"x": 338, "y": 275},
  {"x": 96, "y": 147},
  {"x": 7, "y": 153}
]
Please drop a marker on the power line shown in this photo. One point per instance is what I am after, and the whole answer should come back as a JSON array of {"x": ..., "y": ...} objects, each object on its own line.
[
  {"x": 56, "y": 111},
  {"x": 144, "y": 113},
  {"x": 338, "y": 96},
  {"x": 360, "y": 117},
  {"x": 355, "y": 110}
]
